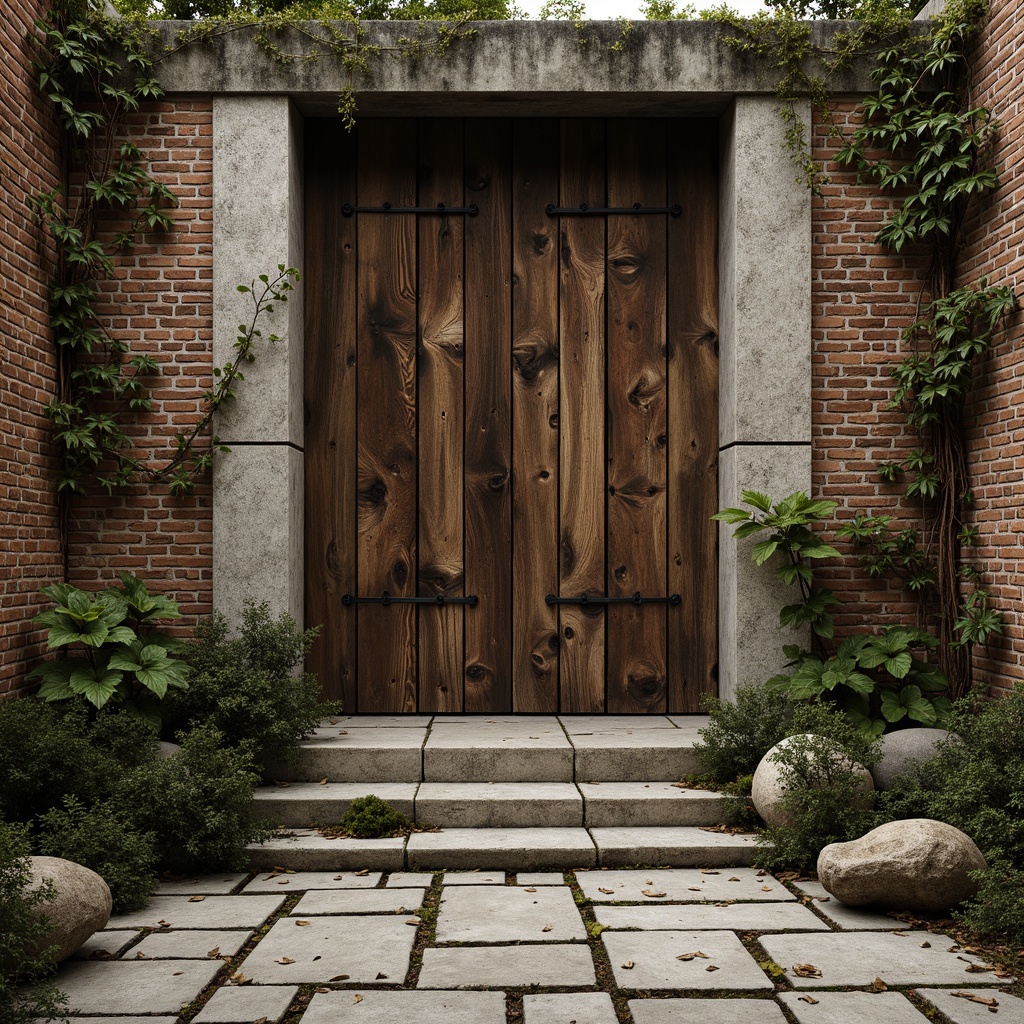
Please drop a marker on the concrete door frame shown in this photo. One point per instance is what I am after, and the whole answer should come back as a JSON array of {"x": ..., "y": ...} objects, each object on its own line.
[{"x": 765, "y": 353}]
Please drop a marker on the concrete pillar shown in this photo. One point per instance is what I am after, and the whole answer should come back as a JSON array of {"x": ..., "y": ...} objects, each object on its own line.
[
  {"x": 765, "y": 382},
  {"x": 258, "y": 487}
]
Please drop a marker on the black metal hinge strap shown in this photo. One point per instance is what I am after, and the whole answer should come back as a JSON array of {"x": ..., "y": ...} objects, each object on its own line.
[
  {"x": 386, "y": 599},
  {"x": 584, "y": 210},
  {"x": 637, "y": 598},
  {"x": 471, "y": 211}
]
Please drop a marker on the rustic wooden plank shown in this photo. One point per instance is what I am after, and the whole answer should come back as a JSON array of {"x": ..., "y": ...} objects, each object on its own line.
[
  {"x": 637, "y": 427},
  {"x": 330, "y": 402},
  {"x": 387, "y": 415},
  {"x": 581, "y": 417},
  {"x": 488, "y": 458},
  {"x": 693, "y": 411},
  {"x": 441, "y": 421},
  {"x": 534, "y": 416}
]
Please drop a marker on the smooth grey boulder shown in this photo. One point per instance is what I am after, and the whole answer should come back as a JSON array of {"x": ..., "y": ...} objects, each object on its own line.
[
  {"x": 767, "y": 791},
  {"x": 80, "y": 904},
  {"x": 914, "y": 864},
  {"x": 166, "y": 749},
  {"x": 902, "y": 748}
]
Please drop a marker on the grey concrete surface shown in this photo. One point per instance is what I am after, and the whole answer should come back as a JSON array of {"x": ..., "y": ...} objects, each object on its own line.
[
  {"x": 500, "y": 752},
  {"x": 705, "y": 1011},
  {"x": 406, "y": 1008},
  {"x": 305, "y": 803},
  {"x": 631, "y": 804},
  {"x": 187, "y": 944},
  {"x": 754, "y": 917},
  {"x": 508, "y": 914},
  {"x": 688, "y": 885},
  {"x": 507, "y": 966},
  {"x": 286, "y": 884},
  {"x": 847, "y": 918},
  {"x": 511, "y": 848},
  {"x": 359, "y": 901},
  {"x": 639, "y": 755},
  {"x": 569, "y": 1008},
  {"x": 500, "y": 804},
  {"x": 208, "y": 885},
  {"x": 680, "y": 847},
  {"x": 238, "y": 1004},
  {"x": 210, "y": 912},
  {"x": 853, "y": 1008},
  {"x": 308, "y": 851},
  {"x": 960, "y": 1010}
]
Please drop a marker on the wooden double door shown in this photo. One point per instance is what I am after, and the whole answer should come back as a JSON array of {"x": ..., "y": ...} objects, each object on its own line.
[{"x": 511, "y": 404}]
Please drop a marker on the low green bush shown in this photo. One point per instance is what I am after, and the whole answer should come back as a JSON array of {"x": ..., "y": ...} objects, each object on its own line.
[
  {"x": 369, "y": 817},
  {"x": 105, "y": 838},
  {"x": 22, "y": 931},
  {"x": 740, "y": 733},
  {"x": 976, "y": 783},
  {"x": 198, "y": 804},
  {"x": 822, "y": 798},
  {"x": 247, "y": 685}
]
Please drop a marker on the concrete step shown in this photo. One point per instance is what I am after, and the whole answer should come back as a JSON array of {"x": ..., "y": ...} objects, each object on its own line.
[
  {"x": 499, "y": 805},
  {"x": 302, "y": 804},
  {"x": 510, "y": 849},
  {"x": 465, "y": 748},
  {"x": 650, "y": 804}
]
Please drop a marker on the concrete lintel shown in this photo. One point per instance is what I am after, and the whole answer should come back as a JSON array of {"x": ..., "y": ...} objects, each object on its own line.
[
  {"x": 257, "y": 206},
  {"x": 765, "y": 280},
  {"x": 520, "y": 59},
  {"x": 258, "y": 529},
  {"x": 750, "y": 597}
]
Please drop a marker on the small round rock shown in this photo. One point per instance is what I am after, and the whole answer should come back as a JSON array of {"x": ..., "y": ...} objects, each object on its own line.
[
  {"x": 768, "y": 791},
  {"x": 902, "y": 748},
  {"x": 80, "y": 905},
  {"x": 914, "y": 864}
]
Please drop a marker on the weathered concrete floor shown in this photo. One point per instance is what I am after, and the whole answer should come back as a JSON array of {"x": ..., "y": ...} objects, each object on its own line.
[{"x": 648, "y": 946}]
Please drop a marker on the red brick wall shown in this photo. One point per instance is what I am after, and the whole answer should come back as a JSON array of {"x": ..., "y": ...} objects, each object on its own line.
[
  {"x": 161, "y": 302},
  {"x": 995, "y": 249},
  {"x": 29, "y": 547}
]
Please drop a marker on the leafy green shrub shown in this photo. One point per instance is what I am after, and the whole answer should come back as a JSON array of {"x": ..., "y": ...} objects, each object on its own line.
[
  {"x": 247, "y": 685},
  {"x": 105, "y": 838},
  {"x": 198, "y": 804},
  {"x": 996, "y": 911},
  {"x": 823, "y": 798},
  {"x": 49, "y": 751},
  {"x": 110, "y": 650},
  {"x": 369, "y": 817},
  {"x": 740, "y": 732},
  {"x": 737, "y": 807},
  {"x": 21, "y": 932}
]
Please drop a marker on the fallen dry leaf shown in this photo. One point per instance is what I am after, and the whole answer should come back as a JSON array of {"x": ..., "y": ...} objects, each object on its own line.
[
  {"x": 546, "y": 928},
  {"x": 808, "y": 999},
  {"x": 652, "y": 894},
  {"x": 302, "y": 924},
  {"x": 735, "y": 879},
  {"x": 196, "y": 899},
  {"x": 973, "y": 997},
  {"x": 214, "y": 953},
  {"x": 806, "y": 971},
  {"x": 164, "y": 924},
  {"x": 711, "y": 967},
  {"x": 694, "y": 888},
  {"x": 340, "y": 977},
  {"x": 531, "y": 889},
  {"x": 979, "y": 968},
  {"x": 260, "y": 1020},
  {"x": 381, "y": 977},
  {"x": 284, "y": 881},
  {"x": 878, "y": 986},
  {"x": 610, "y": 892},
  {"x": 323, "y": 782},
  {"x": 766, "y": 888},
  {"x": 321, "y": 988},
  {"x": 926, "y": 945},
  {"x": 338, "y": 878},
  {"x": 415, "y": 921},
  {"x": 178, "y": 974},
  {"x": 141, "y": 956},
  {"x": 708, "y": 871},
  {"x": 824, "y": 899},
  {"x": 357, "y": 998},
  {"x": 240, "y": 979},
  {"x": 690, "y": 956},
  {"x": 899, "y": 931},
  {"x": 725, "y": 903},
  {"x": 284, "y": 960},
  {"x": 629, "y": 965},
  {"x": 363, "y": 873}
]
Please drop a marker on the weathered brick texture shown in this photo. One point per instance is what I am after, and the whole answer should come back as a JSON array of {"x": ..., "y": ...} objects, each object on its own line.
[{"x": 29, "y": 546}]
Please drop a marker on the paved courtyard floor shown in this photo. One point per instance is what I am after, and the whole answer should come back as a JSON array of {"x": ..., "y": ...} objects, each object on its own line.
[{"x": 648, "y": 946}]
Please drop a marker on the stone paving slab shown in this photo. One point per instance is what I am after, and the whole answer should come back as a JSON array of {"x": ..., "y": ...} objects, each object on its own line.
[
  {"x": 508, "y": 966},
  {"x": 655, "y": 964},
  {"x": 474, "y": 878},
  {"x": 679, "y": 847},
  {"x": 962, "y": 1011},
  {"x": 705, "y": 1011},
  {"x": 238, "y": 1004},
  {"x": 688, "y": 885},
  {"x": 508, "y": 914},
  {"x": 691, "y": 723},
  {"x": 752, "y": 917},
  {"x": 307, "y": 850},
  {"x": 206, "y": 885},
  {"x": 189, "y": 945},
  {"x": 853, "y": 1008},
  {"x": 359, "y": 901},
  {"x": 638, "y": 755},
  {"x": 540, "y": 878},
  {"x": 847, "y": 918},
  {"x": 298, "y": 881},
  {"x": 583, "y": 725},
  {"x": 410, "y": 879},
  {"x": 303, "y": 803},
  {"x": 407, "y": 1008},
  {"x": 212, "y": 912},
  {"x": 361, "y": 947},
  {"x": 617, "y": 804},
  {"x": 497, "y": 753},
  {"x": 569, "y": 1008},
  {"x": 126, "y": 987},
  {"x": 857, "y": 958},
  {"x": 111, "y": 941},
  {"x": 509, "y": 848},
  {"x": 499, "y": 804}
]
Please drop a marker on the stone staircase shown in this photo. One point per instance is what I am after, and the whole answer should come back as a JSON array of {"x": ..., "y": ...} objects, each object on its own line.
[{"x": 513, "y": 792}]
